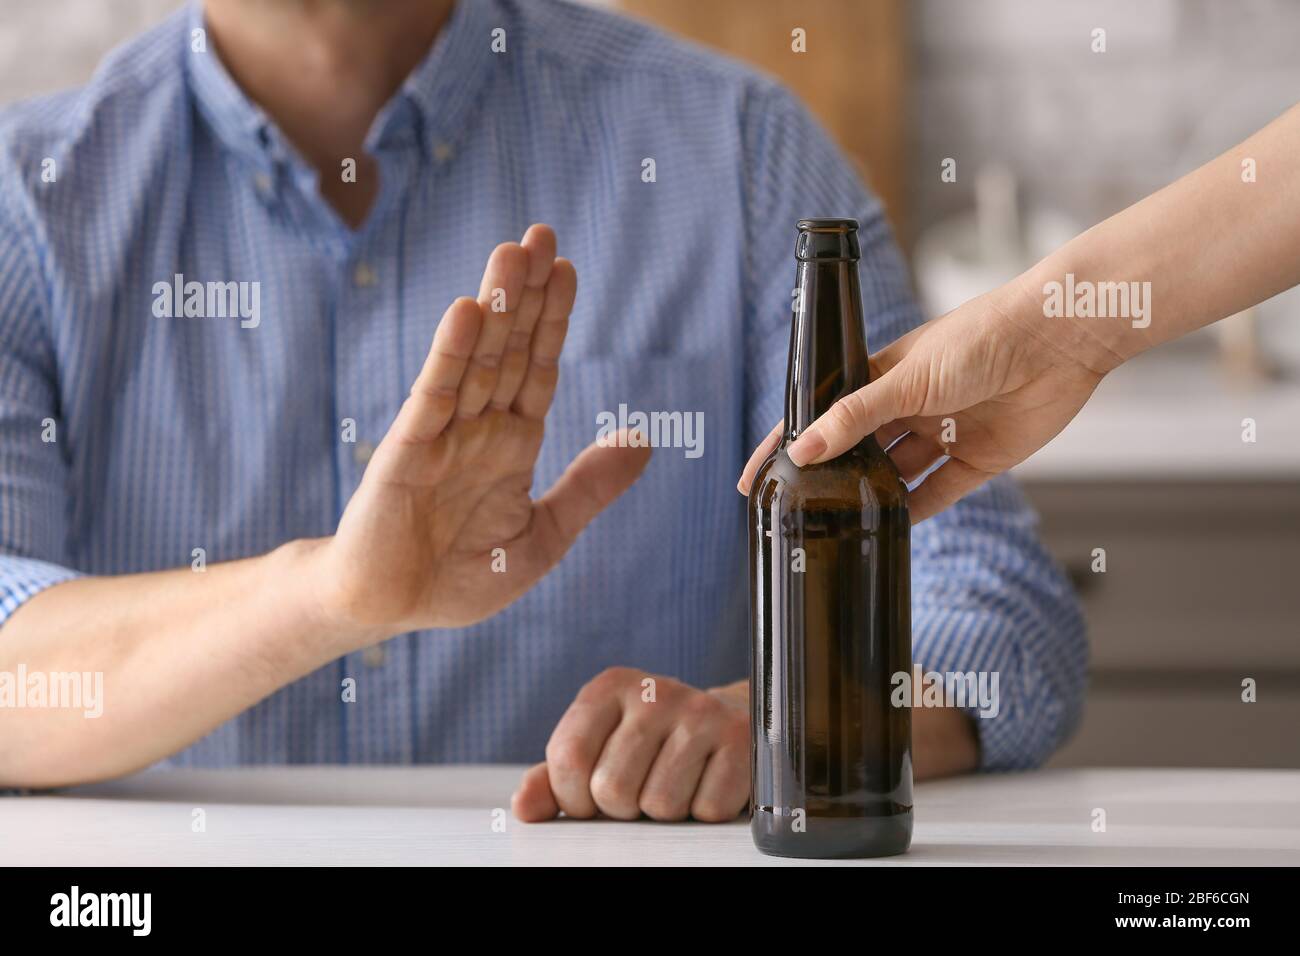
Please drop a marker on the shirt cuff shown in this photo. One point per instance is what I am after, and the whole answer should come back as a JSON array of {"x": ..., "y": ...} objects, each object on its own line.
[
  {"x": 1021, "y": 713},
  {"x": 23, "y": 578}
]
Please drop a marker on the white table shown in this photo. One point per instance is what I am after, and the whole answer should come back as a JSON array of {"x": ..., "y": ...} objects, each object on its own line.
[{"x": 445, "y": 815}]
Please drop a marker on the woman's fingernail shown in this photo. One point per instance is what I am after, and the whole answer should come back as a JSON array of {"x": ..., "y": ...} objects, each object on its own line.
[{"x": 806, "y": 447}]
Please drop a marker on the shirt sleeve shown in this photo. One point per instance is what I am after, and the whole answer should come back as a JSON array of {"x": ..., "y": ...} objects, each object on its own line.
[
  {"x": 986, "y": 596},
  {"x": 33, "y": 469}
]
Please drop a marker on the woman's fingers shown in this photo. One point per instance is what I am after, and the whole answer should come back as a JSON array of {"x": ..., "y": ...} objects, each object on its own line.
[
  {"x": 887, "y": 434},
  {"x": 915, "y": 453},
  {"x": 853, "y": 417},
  {"x": 758, "y": 457},
  {"x": 944, "y": 486}
]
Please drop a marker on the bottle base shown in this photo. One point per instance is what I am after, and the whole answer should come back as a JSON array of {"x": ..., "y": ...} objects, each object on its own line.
[{"x": 832, "y": 838}]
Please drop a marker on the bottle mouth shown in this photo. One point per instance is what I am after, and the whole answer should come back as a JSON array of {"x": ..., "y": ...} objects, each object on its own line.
[
  {"x": 828, "y": 225},
  {"x": 827, "y": 240}
]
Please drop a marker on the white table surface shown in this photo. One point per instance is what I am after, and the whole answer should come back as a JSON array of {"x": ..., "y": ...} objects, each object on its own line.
[{"x": 444, "y": 815}]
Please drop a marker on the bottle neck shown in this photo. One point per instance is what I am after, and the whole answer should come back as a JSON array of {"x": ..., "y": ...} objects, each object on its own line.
[{"x": 828, "y": 345}]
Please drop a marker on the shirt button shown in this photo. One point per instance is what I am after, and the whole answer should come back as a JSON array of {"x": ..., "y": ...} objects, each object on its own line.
[
  {"x": 364, "y": 276},
  {"x": 374, "y": 656},
  {"x": 362, "y": 452},
  {"x": 441, "y": 152},
  {"x": 262, "y": 183}
]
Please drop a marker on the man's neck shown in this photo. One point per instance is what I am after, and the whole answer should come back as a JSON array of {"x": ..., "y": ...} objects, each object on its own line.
[{"x": 322, "y": 70}]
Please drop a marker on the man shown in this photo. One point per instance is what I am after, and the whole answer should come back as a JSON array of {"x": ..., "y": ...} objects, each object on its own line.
[{"x": 237, "y": 479}]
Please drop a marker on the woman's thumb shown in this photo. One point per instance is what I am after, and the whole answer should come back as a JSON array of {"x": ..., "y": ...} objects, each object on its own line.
[{"x": 853, "y": 417}]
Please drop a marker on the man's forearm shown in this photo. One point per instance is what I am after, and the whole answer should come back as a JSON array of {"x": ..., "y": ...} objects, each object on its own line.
[{"x": 180, "y": 652}]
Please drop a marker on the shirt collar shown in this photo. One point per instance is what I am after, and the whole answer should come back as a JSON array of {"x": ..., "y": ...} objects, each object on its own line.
[
  {"x": 447, "y": 86},
  {"x": 430, "y": 108}
]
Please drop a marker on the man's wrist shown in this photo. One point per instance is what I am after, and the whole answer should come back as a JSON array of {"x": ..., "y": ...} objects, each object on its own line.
[{"x": 302, "y": 566}]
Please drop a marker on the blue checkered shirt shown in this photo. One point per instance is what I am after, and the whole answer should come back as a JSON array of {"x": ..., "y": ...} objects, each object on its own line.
[{"x": 171, "y": 434}]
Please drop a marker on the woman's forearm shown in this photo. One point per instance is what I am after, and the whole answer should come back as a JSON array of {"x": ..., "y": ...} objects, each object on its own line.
[{"x": 1220, "y": 239}]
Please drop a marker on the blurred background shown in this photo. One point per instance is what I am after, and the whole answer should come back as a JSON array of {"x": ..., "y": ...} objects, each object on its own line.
[{"x": 1199, "y": 530}]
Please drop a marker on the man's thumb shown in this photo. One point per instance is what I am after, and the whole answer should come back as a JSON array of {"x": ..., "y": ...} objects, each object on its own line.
[{"x": 603, "y": 471}]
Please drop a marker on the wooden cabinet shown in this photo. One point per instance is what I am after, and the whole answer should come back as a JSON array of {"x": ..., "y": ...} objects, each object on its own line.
[
  {"x": 852, "y": 76},
  {"x": 1201, "y": 591}
]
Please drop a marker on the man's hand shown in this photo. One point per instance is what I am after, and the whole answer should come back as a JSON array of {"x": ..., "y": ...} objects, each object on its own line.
[
  {"x": 449, "y": 485},
  {"x": 444, "y": 503},
  {"x": 616, "y": 752},
  {"x": 684, "y": 754}
]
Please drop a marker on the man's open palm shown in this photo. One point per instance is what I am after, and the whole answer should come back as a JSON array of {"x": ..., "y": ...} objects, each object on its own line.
[{"x": 442, "y": 531}]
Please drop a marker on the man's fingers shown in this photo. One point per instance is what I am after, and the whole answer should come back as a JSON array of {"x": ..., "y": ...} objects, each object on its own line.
[
  {"x": 590, "y": 484},
  {"x": 574, "y": 748},
  {"x": 944, "y": 486},
  {"x": 533, "y": 801},
  {"x": 499, "y": 296},
  {"x": 670, "y": 785},
  {"x": 538, "y": 387},
  {"x": 434, "y": 393},
  {"x": 724, "y": 787},
  {"x": 851, "y": 418},
  {"x": 514, "y": 358},
  {"x": 626, "y": 760},
  {"x": 758, "y": 457},
  {"x": 539, "y": 243}
]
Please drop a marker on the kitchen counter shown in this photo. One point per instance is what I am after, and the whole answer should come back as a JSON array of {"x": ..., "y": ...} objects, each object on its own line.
[{"x": 1172, "y": 415}]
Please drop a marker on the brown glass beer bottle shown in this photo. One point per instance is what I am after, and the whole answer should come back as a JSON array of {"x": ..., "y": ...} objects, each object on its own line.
[{"x": 830, "y": 614}]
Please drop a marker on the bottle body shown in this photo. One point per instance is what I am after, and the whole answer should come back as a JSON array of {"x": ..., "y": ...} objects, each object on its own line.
[{"x": 830, "y": 611}]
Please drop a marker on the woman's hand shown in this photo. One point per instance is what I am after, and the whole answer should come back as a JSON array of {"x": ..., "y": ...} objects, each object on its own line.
[
  {"x": 987, "y": 385},
  {"x": 1010, "y": 378}
]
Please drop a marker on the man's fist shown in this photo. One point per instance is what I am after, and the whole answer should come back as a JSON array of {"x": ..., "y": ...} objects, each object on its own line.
[{"x": 633, "y": 743}]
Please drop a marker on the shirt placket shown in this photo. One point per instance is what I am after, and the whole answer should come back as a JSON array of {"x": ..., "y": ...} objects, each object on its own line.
[{"x": 369, "y": 388}]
